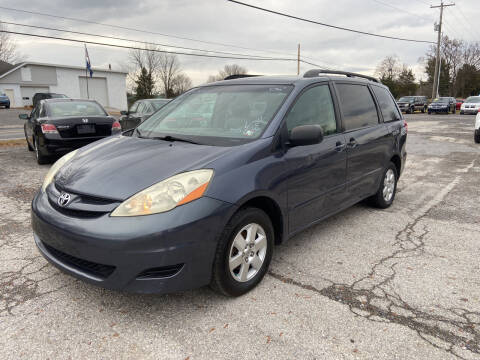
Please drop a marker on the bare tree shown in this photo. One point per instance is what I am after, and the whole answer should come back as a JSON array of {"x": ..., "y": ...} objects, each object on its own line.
[
  {"x": 227, "y": 70},
  {"x": 148, "y": 59},
  {"x": 471, "y": 54},
  {"x": 169, "y": 69},
  {"x": 8, "y": 48},
  {"x": 389, "y": 68},
  {"x": 181, "y": 83}
]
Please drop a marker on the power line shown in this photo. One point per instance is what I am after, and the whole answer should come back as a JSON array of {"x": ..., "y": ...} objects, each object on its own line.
[
  {"x": 124, "y": 39},
  {"x": 328, "y": 25},
  {"x": 468, "y": 22},
  {"x": 139, "y": 48},
  {"x": 140, "y": 30}
]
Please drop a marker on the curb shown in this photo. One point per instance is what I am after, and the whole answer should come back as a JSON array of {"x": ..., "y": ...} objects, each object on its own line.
[{"x": 13, "y": 142}]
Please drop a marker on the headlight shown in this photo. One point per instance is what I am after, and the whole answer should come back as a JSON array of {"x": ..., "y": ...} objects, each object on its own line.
[
  {"x": 167, "y": 194},
  {"x": 55, "y": 167}
]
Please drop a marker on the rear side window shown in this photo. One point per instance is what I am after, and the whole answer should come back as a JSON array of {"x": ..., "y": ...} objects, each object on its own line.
[
  {"x": 314, "y": 107},
  {"x": 357, "y": 106},
  {"x": 387, "y": 106}
]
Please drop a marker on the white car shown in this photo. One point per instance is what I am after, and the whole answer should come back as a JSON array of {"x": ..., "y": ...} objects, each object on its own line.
[
  {"x": 471, "y": 105},
  {"x": 477, "y": 129}
]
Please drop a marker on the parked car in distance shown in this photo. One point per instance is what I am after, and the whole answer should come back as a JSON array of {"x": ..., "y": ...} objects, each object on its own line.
[
  {"x": 57, "y": 126},
  {"x": 139, "y": 111},
  {"x": 459, "y": 103},
  {"x": 444, "y": 105},
  {"x": 409, "y": 104},
  {"x": 476, "y": 136},
  {"x": 42, "y": 96},
  {"x": 181, "y": 203},
  {"x": 471, "y": 105},
  {"x": 4, "y": 100}
]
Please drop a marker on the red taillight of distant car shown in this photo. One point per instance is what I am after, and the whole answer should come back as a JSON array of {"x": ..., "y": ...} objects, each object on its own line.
[
  {"x": 49, "y": 129},
  {"x": 116, "y": 126},
  {"x": 405, "y": 125}
]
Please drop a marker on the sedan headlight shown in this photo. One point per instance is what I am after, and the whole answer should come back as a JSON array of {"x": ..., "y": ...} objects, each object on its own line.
[
  {"x": 55, "y": 167},
  {"x": 167, "y": 194}
]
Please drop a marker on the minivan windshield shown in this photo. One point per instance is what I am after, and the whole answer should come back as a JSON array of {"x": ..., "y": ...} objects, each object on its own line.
[
  {"x": 406, "y": 98},
  {"x": 473, "y": 100},
  {"x": 217, "y": 115}
]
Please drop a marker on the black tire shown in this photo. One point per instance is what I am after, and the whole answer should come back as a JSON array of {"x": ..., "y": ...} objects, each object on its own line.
[
  {"x": 30, "y": 148},
  {"x": 41, "y": 159},
  {"x": 222, "y": 279},
  {"x": 378, "y": 200},
  {"x": 7, "y": 107},
  {"x": 429, "y": 112},
  {"x": 476, "y": 136},
  {"x": 423, "y": 110}
]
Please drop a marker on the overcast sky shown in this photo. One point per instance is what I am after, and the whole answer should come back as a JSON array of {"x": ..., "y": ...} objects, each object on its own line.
[{"x": 220, "y": 21}]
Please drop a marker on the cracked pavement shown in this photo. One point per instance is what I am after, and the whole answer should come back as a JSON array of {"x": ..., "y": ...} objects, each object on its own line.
[{"x": 401, "y": 283}]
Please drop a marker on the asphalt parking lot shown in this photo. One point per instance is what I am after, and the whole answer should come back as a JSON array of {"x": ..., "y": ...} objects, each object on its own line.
[
  {"x": 401, "y": 283},
  {"x": 11, "y": 127}
]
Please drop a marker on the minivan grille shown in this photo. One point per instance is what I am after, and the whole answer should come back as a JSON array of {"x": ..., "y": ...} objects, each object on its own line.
[{"x": 89, "y": 267}]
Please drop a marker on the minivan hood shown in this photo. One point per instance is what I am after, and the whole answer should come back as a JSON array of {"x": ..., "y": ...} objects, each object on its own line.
[{"x": 119, "y": 167}]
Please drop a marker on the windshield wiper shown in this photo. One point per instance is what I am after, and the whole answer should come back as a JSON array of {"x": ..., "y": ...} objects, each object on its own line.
[{"x": 174, "y": 138}]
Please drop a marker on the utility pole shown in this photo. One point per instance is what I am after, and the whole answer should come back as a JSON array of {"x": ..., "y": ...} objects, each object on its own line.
[
  {"x": 298, "y": 60},
  {"x": 436, "y": 77}
]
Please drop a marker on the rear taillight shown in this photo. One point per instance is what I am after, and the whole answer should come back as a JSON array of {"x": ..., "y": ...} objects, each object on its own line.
[
  {"x": 49, "y": 129},
  {"x": 116, "y": 126},
  {"x": 405, "y": 125}
]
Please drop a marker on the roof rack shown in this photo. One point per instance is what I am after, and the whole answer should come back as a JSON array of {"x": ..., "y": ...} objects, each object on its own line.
[
  {"x": 238, "y": 76},
  {"x": 317, "y": 72}
]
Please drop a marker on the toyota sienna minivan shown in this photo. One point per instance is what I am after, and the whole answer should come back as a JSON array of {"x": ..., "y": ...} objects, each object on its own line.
[{"x": 190, "y": 198}]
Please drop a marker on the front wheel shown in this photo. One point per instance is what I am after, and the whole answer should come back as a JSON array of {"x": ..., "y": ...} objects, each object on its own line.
[
  {"x": 388, "y": 187},
  {"x": 243, "y": 253},
  {"x": 476, "y": 136}
]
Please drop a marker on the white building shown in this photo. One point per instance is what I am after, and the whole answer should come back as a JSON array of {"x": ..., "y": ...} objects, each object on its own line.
[{"x": 20, "y": 82}]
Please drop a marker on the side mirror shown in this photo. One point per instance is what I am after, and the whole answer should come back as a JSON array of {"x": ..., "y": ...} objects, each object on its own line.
[
  {"x": 306, "y": 135},
  {"x": 124, "y": 112},
  {"x": 23, "y": 116}
]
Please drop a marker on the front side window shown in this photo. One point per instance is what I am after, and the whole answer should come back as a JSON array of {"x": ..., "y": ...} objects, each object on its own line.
[
  {"x": 226, "y": 114},
  {"x": 357, "y": 105},
  {"x": 133, "y": 108},
  {"x": 75, "y": 108},
  {"x": 387, "y": 106},
  {"x": 314, "y": 107}
]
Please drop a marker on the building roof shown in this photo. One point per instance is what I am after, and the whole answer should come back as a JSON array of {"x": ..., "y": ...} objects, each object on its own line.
[
  {"x": 5, "y": 66},
  {"x": 18, "y": 66}
]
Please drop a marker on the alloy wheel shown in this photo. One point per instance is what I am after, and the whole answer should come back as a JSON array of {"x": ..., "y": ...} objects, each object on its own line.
[
  {"x": 247, "y": 252},
  {"x": 388, "y": 185}
]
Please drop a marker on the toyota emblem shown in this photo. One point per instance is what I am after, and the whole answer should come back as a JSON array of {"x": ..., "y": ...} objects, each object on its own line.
[
  {"x": 85, "y": 120},
  {"x": 63, "y": 199}
]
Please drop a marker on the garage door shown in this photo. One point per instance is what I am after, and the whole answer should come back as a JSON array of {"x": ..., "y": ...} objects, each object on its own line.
[
  {"x": 28, "y": 92},
  {"x": 97, "y": 89}
]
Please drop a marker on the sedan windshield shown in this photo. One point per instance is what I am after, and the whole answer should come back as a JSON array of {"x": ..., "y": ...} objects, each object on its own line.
[
  {"x": 405, "y": 98},
  {"x": 441, "y": 100},
  {"x": 75, "y": 108},
  {"x": 223, "y": 115},
  {"x": 473, "y": 100}
]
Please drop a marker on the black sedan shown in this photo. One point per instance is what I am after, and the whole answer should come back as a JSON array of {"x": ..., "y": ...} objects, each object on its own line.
[
  {"x": 444, "y": 105},
  {"x": 57, "y": 126}
]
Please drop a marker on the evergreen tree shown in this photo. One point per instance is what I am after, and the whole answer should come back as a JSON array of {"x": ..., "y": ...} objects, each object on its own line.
[{"x": 145, "y": 85}]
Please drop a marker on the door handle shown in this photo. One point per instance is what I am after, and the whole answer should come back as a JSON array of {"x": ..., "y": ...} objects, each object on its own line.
[
  {"x": 352, "y": 143},
  {"x": 339, "y": 146}
]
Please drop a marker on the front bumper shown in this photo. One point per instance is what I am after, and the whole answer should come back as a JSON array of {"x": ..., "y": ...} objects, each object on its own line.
[
  {"x": 469, "y": 111},
  {"x": 438, "y": 110},
  {"x": 157, "y": 253}
]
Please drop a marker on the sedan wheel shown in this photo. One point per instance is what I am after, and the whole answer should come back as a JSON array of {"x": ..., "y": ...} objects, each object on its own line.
[
  {"x": 41, "y": 159},
  {"x": 243, "y": 253}
]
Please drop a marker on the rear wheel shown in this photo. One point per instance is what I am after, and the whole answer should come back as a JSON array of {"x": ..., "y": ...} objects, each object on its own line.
[
  {"x": 388, "y": 187},
  {"x": 476, "y": 136},
  {"x": 423, "y": 109},
  {"x": 30, "y": 148},
  {"x": 41, "y": 159},
  {"x": 243, "y": 253}
]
